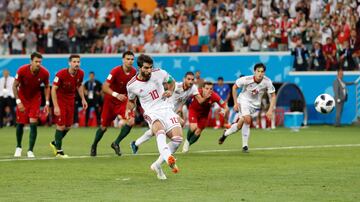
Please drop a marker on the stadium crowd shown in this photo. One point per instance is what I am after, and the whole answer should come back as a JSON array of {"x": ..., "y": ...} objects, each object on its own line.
[{"x": 321, "y": 34}]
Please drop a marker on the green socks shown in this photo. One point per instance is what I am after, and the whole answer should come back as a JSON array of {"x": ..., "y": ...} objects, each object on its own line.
[
  {"x": 58, "y": 139},
  {"x": 32, "y": 137},
  {"x": 193, "y": 139},
  {"x": 189, "y": 135},
  {"x": 125, "y": 130},
  {"x": 99, "y": 134},
  {"x": 19, "y": 134}
]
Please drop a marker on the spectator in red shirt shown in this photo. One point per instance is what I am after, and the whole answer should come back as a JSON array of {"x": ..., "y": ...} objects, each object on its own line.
[{"x": 329, "y": 50}]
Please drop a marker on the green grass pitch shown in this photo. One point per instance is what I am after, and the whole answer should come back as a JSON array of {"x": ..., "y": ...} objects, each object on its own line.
[{"x": 318, "y": 163}]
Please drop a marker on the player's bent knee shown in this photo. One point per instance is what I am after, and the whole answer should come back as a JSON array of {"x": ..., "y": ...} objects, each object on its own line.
[{"x": 159, "y": 132}]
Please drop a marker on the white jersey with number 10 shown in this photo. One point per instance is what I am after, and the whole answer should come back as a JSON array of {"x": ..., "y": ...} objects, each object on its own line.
[{"x": 150, "y": 92}]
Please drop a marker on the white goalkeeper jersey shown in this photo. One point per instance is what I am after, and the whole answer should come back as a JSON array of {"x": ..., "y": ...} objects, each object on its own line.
[
  {"x": 150, "y": 92},
  {"x": 252, "y": 92},
  {"x": 180, "y": 95}
]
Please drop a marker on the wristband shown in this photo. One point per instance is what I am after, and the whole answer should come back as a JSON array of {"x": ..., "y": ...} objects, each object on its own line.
[
  {"x": 18, "y": 101},
  {"x": 114, "y": 94},
  {"x": 47, "y": 103}
]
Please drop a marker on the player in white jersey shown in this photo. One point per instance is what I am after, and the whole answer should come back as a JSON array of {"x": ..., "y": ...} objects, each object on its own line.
[
  {"x": 147, "y": 86},
  {"x": 248, "y": 102},
  {"x": 182, "y": 92}
]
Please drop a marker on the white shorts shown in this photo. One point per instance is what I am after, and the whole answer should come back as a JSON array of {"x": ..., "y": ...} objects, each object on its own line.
[
  {"x": 246, "y": 109},
  {"x": 167, "y": 117}
]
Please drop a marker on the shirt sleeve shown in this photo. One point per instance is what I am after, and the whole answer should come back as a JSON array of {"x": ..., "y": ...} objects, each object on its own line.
[
  {"x": 57, "y": 79},
  {"x": 194, "y": 90},
  {"x": 240, "y": 82},
  {"x": 46, "y": 78},
  {"x": 111, "y": 77},
  {"x": 165, "y": 76},
  {"x": 18, "y": 75},
  {"x": 130, "y": 93},
  {"x": 270, "y": 88},
  {"x": 216, "y": 98}
]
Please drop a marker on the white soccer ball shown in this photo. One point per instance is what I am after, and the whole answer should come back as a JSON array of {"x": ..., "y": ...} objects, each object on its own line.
[{"x": 324, "y": 103}]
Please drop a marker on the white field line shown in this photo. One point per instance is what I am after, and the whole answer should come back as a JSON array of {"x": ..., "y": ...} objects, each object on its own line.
[{"x": 8, "y": 159}]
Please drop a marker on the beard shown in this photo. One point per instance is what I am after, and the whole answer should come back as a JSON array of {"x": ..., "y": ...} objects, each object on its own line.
[{"x": 146, "y": 76}]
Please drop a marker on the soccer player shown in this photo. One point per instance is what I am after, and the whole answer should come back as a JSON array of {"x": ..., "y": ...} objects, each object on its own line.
[
  {"x": 148, "y": 87},
  {"x": 27, "y": 91},
  {"x": 115, "y": 102},
  {"x": 65, "y": 84},
  {"x": 248, "y": 102},
  {"x": 198, "y": 113},
  {"x": 182, "y": 92}
]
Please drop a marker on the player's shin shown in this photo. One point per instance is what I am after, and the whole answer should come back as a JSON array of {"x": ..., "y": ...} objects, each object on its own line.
[
  {"x": 58, "y": 139},
  {"x": 245, "y": 134},
  {"x": 233, "y": 129},
  {"x": 125, "y": 130},
  {"x": 99, "y": 134},
  {"x": 32, "y": 137},
  {"x": 162, "y": 146},
  {"x": 19, "y": 134},
  {"x": 145, "y": 137}
]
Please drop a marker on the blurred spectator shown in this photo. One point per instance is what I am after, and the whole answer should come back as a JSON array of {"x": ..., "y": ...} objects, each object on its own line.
[
  {"x": 7, "y": 98},
  {"x": 223, "y": 41},
  {"x": 151, "y": 47},
  {"x": 317, "y": 59},
  {"x": 223, "y": 90},
  {"x": 346, "y": 57},
  {"x": 236, "y": 36},
  {"x": 199, "y": 82},
  {"x": 329, "y": 50},
  {"x": 301, "y": 56},
  {"x": 4, "y": 43},
  {"x": 97, "y": 47},
  {"x": 16, "y": 40},
  {"x": 135, "y": 13},
  {"x": 92, "y": 91},
  {"x": 30, "y": 40}
]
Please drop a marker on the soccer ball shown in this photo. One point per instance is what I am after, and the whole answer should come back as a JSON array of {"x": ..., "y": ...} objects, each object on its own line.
[{"x": 324, "y": 103}]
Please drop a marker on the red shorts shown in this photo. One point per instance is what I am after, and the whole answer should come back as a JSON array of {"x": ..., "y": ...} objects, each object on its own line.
[
  {"x": 32, "y": 110},
  {"x": 200, "y": 119},
  {"x": 66, "y": 114},
  {"x": 110, "y": 111}
]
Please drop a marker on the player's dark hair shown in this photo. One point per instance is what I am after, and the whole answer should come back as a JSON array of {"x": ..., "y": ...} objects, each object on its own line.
[
  {"x": 35, "y": 55},
  {"x": 259, "y": 65},
  {"x": 208, "y": 83},
  {"x": 144, "y": 59},
  {"x": 73, "y": 56},
  {"x": 189, "y": 73},
  {"x": 128, "y": 53},
  {"x": 92, "y": 72}
]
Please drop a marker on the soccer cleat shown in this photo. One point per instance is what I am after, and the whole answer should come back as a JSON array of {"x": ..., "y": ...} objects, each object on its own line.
[
  {"x": 186, "y": 146},
  {"x": 159, "y": 172},
  {"x": 60, "y": 154},
  {"x": 30, "y": 154},
  {"x": 53, "y": 147},
  {"x": 134, "y": 148},
  {"x": 172, "y": 163},
  {"x": 245, "y": 149},
  {"x": 18, "y": 151},
  {"x": 93, "y": 150},
  {"x": 222, "y": 138},
  {"x": 116, "y": 148}
]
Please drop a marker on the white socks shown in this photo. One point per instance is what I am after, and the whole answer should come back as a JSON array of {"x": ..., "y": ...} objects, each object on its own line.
[
  {"x": 233, "y": 129},
  {"x": 173, "y": 146},
  {"x": 245, "y": 134},
  {"x": 162, "y": 146},
  {"x": 145, "y": 137}
]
